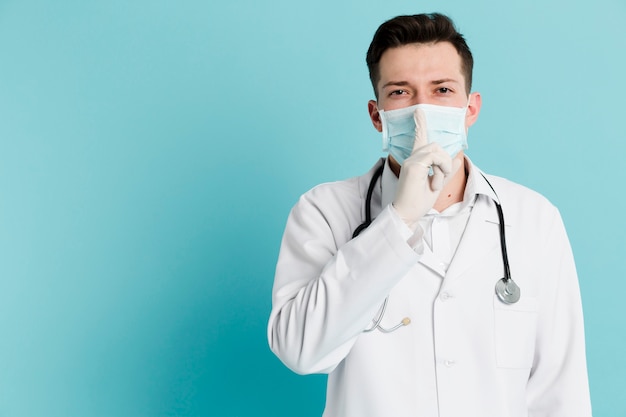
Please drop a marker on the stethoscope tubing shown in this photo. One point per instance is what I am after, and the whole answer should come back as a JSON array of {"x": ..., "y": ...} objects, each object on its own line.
[{"x": 506, "y": 289}]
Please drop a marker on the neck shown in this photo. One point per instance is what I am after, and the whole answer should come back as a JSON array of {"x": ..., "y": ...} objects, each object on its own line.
[{"x": 454, "y": 190}]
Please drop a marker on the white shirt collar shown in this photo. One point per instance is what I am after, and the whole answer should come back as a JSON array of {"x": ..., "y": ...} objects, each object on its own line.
[{"x": 476, "y": 185}]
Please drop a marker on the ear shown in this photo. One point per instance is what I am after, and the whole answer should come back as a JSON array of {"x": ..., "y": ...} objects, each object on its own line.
[
  {"x": 473, "y": 109},
  {"x": 372, "y": 108}
]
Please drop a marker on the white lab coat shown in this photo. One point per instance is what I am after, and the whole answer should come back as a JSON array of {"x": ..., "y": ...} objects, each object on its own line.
[{"x": 464, "y": 353}]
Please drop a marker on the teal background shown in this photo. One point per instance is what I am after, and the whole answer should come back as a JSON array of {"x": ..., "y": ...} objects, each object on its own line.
[{"x": 150, "y": 152}]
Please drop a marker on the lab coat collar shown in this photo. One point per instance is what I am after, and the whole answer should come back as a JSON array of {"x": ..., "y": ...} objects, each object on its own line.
[
  {"x": 364, "y": 183},
  {"x": 389, "y": 183},
  {"x": 483, "y": 220}
]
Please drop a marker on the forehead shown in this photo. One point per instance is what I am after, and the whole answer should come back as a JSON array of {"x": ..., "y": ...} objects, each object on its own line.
[{"x": 421, "y": 62}]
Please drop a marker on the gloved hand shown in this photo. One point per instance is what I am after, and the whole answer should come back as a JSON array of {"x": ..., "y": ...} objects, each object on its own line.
[{"x": 417, "y": 191}]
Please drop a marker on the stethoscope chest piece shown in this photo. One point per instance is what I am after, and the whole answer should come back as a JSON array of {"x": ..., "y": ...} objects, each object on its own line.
[{"x": 507, "y": 291}]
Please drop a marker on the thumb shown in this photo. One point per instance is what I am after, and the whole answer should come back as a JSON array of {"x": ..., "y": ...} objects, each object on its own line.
[
  {"x": 440, "y": 179},
  {"x": 456, "y": 164}
]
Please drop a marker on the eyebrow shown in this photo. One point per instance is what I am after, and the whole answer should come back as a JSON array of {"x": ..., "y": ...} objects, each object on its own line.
[
  {"x": 405, "y": 83},
  {"x": 444, "y": 80},
  {"x": 396, "y": 83}
]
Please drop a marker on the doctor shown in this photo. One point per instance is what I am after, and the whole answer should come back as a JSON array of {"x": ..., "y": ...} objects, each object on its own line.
[{"x": 404, "y": 316}]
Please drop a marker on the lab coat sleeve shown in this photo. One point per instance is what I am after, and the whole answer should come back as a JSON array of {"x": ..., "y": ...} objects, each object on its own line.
[
  {"x": 328, "y": 288},
  {"x": 558, "y": 384}
]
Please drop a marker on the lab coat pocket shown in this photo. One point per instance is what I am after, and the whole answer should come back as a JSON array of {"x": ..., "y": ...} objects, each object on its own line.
[{"x": 515, "y": 327}]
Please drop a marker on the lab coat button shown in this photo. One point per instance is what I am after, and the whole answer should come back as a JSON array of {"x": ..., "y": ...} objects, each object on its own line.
[
  {"x": 449, "y": 363},
  {"x": 445, "y": 296}
]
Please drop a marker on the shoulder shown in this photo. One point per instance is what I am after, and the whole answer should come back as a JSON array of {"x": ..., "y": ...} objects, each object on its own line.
[
  {"x": 339, "y": 193},
  {"x": 335, "y": 192},
  {"x": 507, "y": 189},
  {"x": 333, "y": 209},
  {"x": 523, "y": 203}
]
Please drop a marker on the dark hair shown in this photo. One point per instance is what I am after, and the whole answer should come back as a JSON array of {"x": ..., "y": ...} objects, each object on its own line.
[{"x": 419, "y": 28}]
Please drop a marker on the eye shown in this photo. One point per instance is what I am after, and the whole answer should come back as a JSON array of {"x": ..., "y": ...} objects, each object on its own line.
[
  {"x": 443, "y": 90},
  {"x": 398, "y": 92}
]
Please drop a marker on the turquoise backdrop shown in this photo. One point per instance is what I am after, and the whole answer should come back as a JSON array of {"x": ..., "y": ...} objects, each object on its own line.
[{"x": 150, "y": 152}]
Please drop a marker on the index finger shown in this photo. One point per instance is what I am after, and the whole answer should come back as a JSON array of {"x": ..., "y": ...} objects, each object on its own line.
[{"x": 420, "y": 129}]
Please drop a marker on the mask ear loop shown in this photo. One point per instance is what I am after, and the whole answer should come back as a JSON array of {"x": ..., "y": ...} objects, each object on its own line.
[
  {"x": 469, "y": 99},
  {"x": 385, "y": 132}
]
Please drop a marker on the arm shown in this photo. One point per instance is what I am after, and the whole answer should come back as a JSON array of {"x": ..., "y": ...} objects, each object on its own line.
[
  {"x": 325, "y": 296},
  {"x": 327, "y": 290}
]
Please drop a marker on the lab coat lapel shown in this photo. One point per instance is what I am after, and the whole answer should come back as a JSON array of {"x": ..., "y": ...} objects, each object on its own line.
[{"x": 480, "y": 241}]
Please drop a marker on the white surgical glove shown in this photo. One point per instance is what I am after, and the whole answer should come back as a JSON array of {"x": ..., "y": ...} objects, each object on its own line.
[{"x": 417, "y": 191}]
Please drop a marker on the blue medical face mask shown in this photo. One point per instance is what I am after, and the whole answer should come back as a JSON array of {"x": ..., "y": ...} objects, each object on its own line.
[{"x": 444, "y": 125}]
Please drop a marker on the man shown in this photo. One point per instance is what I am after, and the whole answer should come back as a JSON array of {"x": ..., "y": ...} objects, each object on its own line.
[{"x": 411, "y": 316}]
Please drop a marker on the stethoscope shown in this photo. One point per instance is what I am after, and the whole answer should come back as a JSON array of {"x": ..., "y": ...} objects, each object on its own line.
[{"x": 506, "y": 289}]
